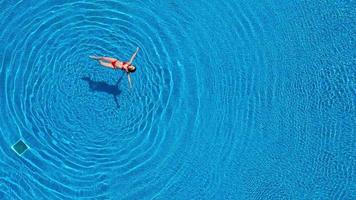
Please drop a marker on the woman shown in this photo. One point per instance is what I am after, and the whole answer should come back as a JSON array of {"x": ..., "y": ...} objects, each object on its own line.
[{"x": 117, "y": 64}]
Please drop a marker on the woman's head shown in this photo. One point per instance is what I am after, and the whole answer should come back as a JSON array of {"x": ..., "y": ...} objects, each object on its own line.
[{"x": 131, "y": 68}]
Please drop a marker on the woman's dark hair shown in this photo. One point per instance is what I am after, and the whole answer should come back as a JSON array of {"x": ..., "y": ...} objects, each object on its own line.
[{"x": 132, "y": 69}]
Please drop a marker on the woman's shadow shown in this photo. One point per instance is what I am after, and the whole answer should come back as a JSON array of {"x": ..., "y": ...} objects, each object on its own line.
[{"x": 101, "y": 86}]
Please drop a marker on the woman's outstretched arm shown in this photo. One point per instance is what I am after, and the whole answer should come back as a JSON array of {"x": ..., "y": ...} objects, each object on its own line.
[
  {"x": 128, "y": 77},
  {"x": 134, "y": 55}
]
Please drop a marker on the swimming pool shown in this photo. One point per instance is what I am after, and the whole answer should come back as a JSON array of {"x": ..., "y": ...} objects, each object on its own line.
[{"x": 230, "y": 100}]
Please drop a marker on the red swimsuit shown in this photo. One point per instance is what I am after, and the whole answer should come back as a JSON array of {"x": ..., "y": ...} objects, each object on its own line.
[
  {"x": 113, "y": 63},
  {"x": 123, "y": 64}
]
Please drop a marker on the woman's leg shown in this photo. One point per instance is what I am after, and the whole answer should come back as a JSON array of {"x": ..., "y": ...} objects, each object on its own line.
[
  {"x": 95, "y": 57},
  {"x": 108, "y": 59},
  {"x": 105, "y": 64}
]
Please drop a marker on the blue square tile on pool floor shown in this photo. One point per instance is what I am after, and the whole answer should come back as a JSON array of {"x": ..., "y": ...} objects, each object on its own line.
[{"x": 20, "y": 147}]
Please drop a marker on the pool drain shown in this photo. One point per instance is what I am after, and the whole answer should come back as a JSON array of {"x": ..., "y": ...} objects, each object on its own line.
[{"x": 20, "y": 147}]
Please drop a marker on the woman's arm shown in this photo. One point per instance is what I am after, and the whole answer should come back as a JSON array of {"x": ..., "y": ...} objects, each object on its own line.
[
  {"x": 134, "y": 55},
  {"x": 128, "y": 77}
]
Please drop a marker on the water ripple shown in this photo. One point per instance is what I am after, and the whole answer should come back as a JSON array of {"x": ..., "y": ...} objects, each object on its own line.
[{"x": 206, "y": 101}]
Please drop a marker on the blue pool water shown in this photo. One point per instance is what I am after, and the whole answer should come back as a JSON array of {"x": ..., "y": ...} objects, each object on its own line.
[{"x": 231, "y": 99}]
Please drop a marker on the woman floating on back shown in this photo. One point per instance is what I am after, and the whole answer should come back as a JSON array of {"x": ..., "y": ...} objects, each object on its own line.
[{"x": 117, "y": 64}]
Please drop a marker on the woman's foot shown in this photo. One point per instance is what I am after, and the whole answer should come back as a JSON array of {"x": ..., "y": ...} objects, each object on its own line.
[{"x": 95, "y": 57}]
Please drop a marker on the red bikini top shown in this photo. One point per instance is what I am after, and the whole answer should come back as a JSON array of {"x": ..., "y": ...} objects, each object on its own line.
[{"x": 123, "y": 64}]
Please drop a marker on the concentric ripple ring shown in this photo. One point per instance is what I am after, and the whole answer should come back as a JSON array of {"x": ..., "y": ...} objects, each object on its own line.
[{"x": 230, "y": 100}]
